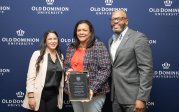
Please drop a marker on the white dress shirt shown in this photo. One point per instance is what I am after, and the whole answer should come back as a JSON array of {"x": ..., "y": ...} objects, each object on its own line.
[{"x": 116, "y": 42}]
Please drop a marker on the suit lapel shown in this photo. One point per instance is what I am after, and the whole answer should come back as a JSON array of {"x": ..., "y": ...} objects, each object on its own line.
[
  {"x": 109, "y": 46},
  {"x": 44, "y": 68}
]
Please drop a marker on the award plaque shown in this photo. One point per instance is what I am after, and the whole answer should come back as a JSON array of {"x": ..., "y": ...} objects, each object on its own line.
[{"x": 78, "y": 86}]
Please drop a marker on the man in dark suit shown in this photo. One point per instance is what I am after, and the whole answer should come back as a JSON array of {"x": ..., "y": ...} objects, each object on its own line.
[{"x": 132, "y": 66}]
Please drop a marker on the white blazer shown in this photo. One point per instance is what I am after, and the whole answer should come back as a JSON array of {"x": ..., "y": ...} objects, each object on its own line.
[{"x": 35, "y": 81}]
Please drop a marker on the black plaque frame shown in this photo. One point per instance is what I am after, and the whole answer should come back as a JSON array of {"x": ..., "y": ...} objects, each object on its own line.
[{"x": 78, "y": 86}]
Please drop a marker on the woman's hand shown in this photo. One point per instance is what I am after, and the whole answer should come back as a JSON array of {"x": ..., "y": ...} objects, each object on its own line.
[
  {"x": 90, "y": 96},
  {"x": 67, "y": 73},
  {"x": 32, "y": 103}
]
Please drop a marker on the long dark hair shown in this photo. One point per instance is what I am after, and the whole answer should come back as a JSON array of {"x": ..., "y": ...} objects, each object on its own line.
[
  {"x": 43, "y": 47},
  {"x": 92, "y": 38}
]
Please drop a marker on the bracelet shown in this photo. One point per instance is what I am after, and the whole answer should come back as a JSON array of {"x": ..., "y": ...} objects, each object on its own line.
[{"x": 31, "y": 97}]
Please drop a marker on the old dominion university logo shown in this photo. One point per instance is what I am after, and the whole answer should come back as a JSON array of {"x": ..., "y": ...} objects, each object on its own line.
[
  {"x": 167, "y": 9},
  {"x": 50, "y": 8},
  {"x": 166, "y": 72},
  {"x": 168, "y": 2},
  {"x": 4, "y": 8},
  {"x": 20, "y": 39},
  {"x": 108, "y": 2},
  {"x": 50, "y": 2},
  {"x": 15, "y": 101},
  {"x": 107, "y": 9}
]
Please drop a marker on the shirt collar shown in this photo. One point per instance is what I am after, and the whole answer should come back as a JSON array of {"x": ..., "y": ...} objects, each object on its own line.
[
  {"x": 124, "y": 32},
  {"x": 115, "y": 36}
]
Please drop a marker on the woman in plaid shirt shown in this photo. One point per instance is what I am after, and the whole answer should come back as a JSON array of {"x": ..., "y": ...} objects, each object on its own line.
[{"x": 89, "y": 54}]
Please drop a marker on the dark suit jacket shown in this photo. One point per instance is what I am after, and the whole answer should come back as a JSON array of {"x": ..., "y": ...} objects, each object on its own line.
[{"x": 132, "y": 69}]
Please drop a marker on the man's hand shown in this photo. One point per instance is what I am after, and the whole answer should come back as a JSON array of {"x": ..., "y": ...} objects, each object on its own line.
[{"x": 139, "y": 106}]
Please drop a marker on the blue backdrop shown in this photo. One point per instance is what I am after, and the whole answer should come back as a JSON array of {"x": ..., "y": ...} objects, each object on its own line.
[{"x": 23, "y": 22}]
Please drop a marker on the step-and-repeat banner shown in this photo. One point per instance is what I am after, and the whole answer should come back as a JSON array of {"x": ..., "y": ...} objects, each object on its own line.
[{"x": 23, "y": 22}]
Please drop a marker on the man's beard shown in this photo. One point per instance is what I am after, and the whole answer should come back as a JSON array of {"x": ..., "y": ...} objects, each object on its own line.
[{"x": 123, "y": 26}]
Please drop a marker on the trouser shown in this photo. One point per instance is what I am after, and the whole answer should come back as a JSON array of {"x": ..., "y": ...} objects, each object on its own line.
[
  {"x": 95, "y": 105},
  {"x": 117, "y": 107},
  {"x": 48, "y": 102}
]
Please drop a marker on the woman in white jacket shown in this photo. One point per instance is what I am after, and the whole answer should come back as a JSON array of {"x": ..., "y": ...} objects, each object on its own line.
[{"x": 45, "y": 79}]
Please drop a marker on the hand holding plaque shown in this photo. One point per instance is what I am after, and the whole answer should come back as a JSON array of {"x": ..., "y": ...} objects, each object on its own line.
[{"x": 78, "y": 86}]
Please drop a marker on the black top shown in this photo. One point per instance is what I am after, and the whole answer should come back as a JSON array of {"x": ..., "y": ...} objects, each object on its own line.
[{"x": 54, "y": 74}]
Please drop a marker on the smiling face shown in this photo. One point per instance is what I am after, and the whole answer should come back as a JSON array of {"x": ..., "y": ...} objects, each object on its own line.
[
  {"x": 119, "y": 21},
  {"x": 52, "y": 41},
  {"x": 83, "y": 33}
]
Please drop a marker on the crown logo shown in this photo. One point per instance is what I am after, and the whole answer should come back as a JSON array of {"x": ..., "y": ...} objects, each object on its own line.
[
  {"x": 20, "y": 32},
  {"x": 168, "y": 2},
  {"x": 108, "y": 2},
  {"x": 166, "y": 65},
  {"x": 50, "y": 2},
  {"x": 20, "y": 94}
]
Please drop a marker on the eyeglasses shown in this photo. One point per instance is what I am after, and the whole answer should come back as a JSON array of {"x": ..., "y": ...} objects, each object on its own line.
[{"x": 118, "y": 19}]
